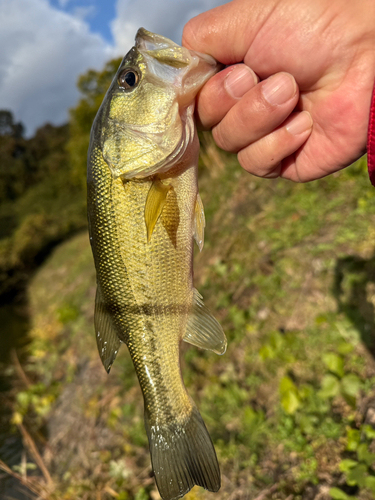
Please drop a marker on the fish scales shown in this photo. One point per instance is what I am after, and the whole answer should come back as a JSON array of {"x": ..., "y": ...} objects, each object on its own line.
[{"x": 143, "y": 210}]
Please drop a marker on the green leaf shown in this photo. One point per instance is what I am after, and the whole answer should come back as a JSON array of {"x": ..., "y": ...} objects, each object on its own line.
[
  {"x": 276, "y": 340},
  {"x": 290, "y": 402},
  {"x": 364, "y": 455},
  {"x": 123, "y": 495},
  {"x": 354, "y": 437},
  {"x": 370, "y": 483},
  {"x": 306, "y": 423},
  {"x": 345, "y": 348},
  {"x": 338, "y": 494},
  {"x": 23, "y": 399},
  {"x": 347, "y": 464},
  {"x": 350, "y": 385},
  {"x": 141, "y": 494},
  {"x": 287, "y": 385},
  {"x": 357, "y": 475},
  {"x": 24, "y": 467},
  {"x": 289, "y": 397},
  {"x": 306, "y": 391},
  {"x": 330, "y": 387},
  {"x": 266, "y": 352},
  {"x": 334, "y": 363},
  {"x": 369, "y": 431}
]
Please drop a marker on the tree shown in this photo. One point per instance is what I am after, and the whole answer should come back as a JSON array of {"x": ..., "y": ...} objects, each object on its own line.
[
  {"x": 93, "y": 86},
  {"x": 7, "y": 125}
]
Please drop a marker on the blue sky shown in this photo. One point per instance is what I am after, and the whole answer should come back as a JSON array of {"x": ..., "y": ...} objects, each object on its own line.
[
  {"x": 47, "y": 44},
  {"x": 97, "y": 13}
]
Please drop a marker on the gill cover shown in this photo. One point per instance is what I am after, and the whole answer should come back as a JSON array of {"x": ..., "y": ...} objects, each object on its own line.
[{"x": 147, "y": 127}]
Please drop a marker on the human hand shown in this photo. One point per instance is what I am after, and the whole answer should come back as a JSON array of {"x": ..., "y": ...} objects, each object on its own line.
[{"x": 329, "y": 48}]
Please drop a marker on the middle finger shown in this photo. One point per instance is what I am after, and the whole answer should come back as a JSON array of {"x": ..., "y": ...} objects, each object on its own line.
[{"x": 259, "y": 112}]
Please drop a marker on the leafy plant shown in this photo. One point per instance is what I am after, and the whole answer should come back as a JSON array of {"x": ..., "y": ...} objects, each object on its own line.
[{"x": 359, "y": 470}]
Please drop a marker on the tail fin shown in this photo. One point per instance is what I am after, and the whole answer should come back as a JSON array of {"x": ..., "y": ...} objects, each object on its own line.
[{"x": 182, "y": 456}]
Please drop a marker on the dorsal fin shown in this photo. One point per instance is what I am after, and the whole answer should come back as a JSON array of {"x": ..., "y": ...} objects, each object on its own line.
[
  {"x": 106, "y": 337},
  {"x": 202, "y": 329},
  {"x": 199, "y": 223},
  {"x": 155, "y": 202}
]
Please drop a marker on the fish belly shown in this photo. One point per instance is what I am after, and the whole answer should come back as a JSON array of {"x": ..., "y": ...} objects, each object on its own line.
[{"x": 160, "y": 274}]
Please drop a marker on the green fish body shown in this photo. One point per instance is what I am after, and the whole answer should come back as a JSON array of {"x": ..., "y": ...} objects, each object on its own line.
[{"x": 144, "y": 211}]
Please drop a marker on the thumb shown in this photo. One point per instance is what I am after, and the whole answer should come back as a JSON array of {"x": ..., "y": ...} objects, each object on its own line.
[{"x": 226, "y": 32}]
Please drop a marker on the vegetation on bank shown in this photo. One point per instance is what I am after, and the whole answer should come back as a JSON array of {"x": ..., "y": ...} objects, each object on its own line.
[
  {"x": 40, "y": 204},
  {"x": 43, "y": 183},
  {"x": 289, "y": 270}
]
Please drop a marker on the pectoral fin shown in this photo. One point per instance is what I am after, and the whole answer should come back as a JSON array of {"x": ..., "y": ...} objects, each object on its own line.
[
  {"x": 203, "y": 330},
  {"x": 106, "y": 338},
  {"x": 155, "y": 202},
  {"x": 199, "y": 223}
]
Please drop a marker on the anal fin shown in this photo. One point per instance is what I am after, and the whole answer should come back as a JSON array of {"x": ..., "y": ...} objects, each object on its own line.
[
  {"x": 202, "y": 329},
  {"x": 106, "y": 337},
  {"x": 199, "y": 223},
  {"x": 155, "y": 202}
]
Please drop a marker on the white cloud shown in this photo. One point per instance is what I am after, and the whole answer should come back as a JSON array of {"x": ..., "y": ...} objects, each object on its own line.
[
  {"x": 165, "y": 17},
  {"x": 84, "y": 12},
  {"x": 43, "y": 50}
]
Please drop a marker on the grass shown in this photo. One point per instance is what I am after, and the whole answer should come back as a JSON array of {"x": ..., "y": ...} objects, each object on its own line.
[{"x": 289, "y": 270}]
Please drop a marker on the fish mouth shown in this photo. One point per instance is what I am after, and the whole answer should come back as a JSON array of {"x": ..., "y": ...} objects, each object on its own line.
[
  {"x": 147, "y": 40},
  {"x": 193, "y": 68},
  {"x": 163, "y": 141}
]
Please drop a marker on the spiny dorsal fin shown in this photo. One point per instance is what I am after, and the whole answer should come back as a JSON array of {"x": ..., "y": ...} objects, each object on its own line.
[
  {"x": 106, "y": 338},
  {"x": 199, "y": 223},
  {"x": 155, "y": 202},
  {"x": 203, "y": 330}
]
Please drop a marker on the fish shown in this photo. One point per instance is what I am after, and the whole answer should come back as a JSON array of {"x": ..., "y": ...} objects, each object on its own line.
[{"x": 144, "y": 212}]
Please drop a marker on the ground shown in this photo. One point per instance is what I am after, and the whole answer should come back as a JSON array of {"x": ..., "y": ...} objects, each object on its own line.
[{"x": 289, "y": 271}]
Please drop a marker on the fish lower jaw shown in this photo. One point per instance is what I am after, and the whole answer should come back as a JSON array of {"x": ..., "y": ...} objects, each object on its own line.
[{"x": 173, "y": 159}]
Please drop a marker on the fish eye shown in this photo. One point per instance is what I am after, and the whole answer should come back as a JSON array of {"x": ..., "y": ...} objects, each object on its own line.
[{"x": 128, "y": 79}]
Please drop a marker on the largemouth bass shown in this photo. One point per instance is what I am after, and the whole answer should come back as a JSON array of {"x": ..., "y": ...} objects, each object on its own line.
[{"x": 144, "y": 211}]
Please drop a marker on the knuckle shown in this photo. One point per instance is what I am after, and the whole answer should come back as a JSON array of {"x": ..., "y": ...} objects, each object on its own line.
[
  {"x": 260, "y": 159},
  {"x": 221, "y": 138},
  {"x": 247, "y": 161}
]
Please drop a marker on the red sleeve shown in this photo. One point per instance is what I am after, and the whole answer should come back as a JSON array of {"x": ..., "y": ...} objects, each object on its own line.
[{"x": 371, "y": 141}]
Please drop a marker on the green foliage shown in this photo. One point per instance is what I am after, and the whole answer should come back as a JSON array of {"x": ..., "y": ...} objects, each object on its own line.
[
  {"x": 334, "y": 363},
  {"x": 289, "y": 396},
  {"x": 67, "y": 313},
  {"x": 93, "y": 85},
  {"x": 41, "y": 205},
  {"x": 43, "y": 182},
  {"x": 358, "y": 470},
  {"x": 338, "y": 494},
  {"x": 141, "y": 495},
  {"x": 36, "y": 400}
]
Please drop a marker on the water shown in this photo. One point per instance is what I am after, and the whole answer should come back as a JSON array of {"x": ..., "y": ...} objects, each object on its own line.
[{"x": 14, "y": 325}]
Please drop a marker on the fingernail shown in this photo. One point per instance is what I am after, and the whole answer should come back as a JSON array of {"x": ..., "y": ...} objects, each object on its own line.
[
  {"x": 239, "y": 81},
  {"x": 300, "y": 123},
  {"x": 279, "y": 88}
]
